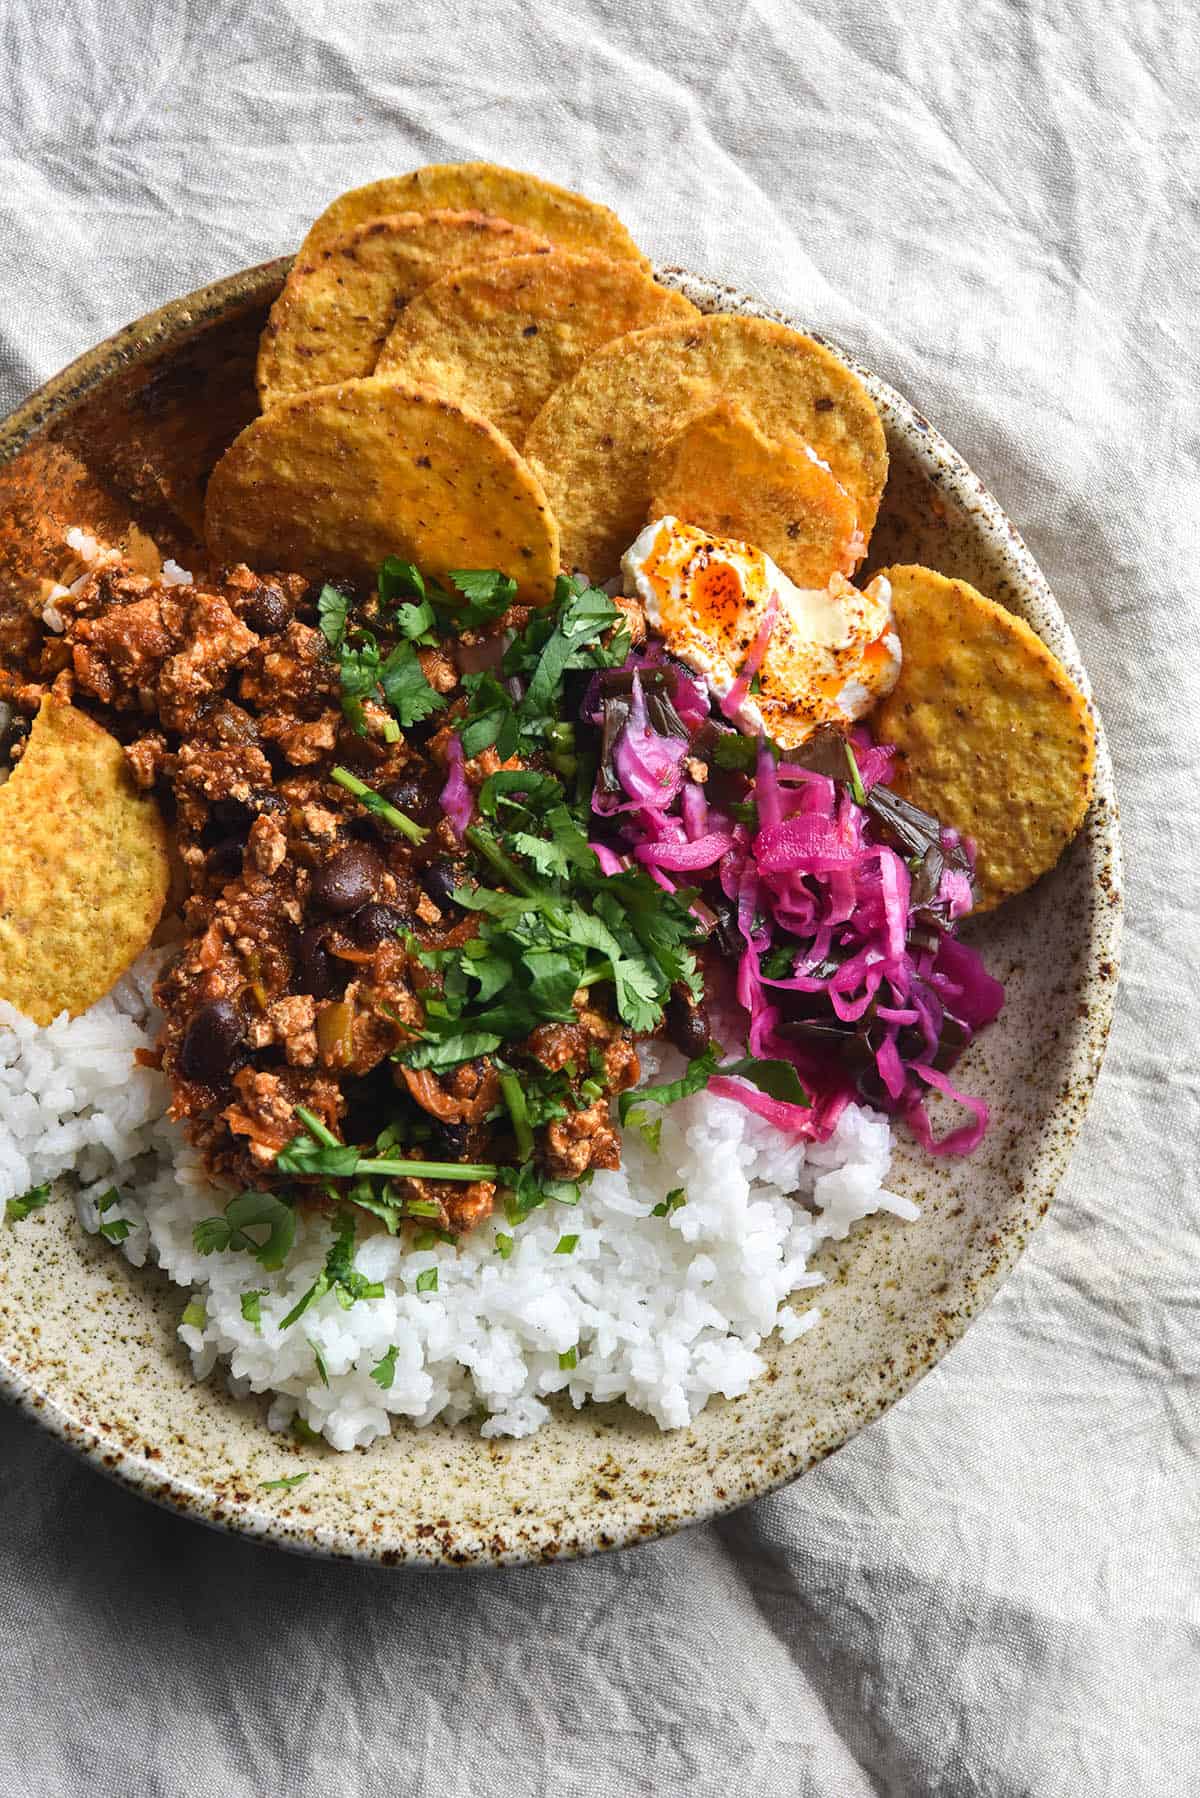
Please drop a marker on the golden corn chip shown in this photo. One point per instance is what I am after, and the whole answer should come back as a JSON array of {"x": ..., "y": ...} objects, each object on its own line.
[
  {"x": 994, "y": 738},
  {"x": 502, "y": 337},
  {"x": 330, "y": 482},
  {"x": 722, "y": 473},
  {"x": 594, "y": 443},
  {"x": 83, "y": 867},
  {"x": 566, "y": 218},
  {"x": 340, "y": 301}
]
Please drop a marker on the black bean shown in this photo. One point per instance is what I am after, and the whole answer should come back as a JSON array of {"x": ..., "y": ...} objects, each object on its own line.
[
  {"x": 687, "y": 1028},
  {"x": 213, "y": 1043},
  {"x": 266, "y": 612},
  {"x": 232, "y": 814},
  {"x": 417, "y": 799},
  {"x": 225, "y": 857},
  {"x": 448, "y": 1140},
  {"x": 347, "y": 880},
  {"x": 440, "y": 879},
  {"x": 374, "y": 923},
  {"x": 316, "y": 965}
]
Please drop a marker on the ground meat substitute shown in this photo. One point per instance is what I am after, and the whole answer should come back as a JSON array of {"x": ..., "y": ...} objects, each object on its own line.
[{"x": 295, "y": 985}]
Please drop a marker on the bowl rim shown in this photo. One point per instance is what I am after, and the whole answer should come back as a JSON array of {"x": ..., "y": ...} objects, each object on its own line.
[{"x": 138, "y": 342}]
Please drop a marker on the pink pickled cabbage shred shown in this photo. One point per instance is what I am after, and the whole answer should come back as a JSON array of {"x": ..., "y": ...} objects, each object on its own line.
[{"x": 818, "y": 881}]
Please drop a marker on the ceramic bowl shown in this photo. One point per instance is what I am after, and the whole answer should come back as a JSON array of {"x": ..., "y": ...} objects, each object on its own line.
[{"x": 88, "y": 1344}]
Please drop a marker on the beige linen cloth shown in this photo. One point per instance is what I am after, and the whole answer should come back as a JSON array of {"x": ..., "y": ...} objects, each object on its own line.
[{"x": 994, "y": 1590}]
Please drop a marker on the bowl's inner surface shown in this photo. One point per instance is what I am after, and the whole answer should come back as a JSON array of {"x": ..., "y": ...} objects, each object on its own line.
[{"x": 131, "y": 435}]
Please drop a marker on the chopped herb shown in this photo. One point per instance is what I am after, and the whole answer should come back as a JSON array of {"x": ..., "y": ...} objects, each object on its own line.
[
  {"x": 33, "y": 1200},
  {"x": 250, "y": 1211},
  {"x": 252, "y": 1306},
  {"x": 107, "y": 1200},
  {"x": 514, "y": 1098},
  {"x": 116, "y": 1230},
  {"x": 567, "y": 1359},
  {"x": 332, "y": 609},
  {"x": 428, "y": 1281},
  {"x": 195, "y": 1315},
  {"x": 674, "y": 1199},
  {"x": 287, "y": 1485},
  {"x": 566, "y": 1245},
  {"x": 778, "y": 1079},
  {"x": 425, "y": 1239},
  {"x": 378, "y": 806},
  {"x": 856, "y": 785},
  {"x": 319, "y": 1358},
  {"x": 339, "y": 1275},
  {"x": 303, "y": 1431},
  {"x": 504, "y": 1245},
  {"x": 650, "y": 1130},
  {"x": 384, "y": 1371}
]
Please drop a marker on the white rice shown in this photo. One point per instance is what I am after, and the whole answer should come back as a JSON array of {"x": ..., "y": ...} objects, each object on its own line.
[{"x": 663, "y": 1312}]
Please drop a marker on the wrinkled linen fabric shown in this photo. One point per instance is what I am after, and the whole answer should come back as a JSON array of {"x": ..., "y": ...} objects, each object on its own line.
[{"x": 993, "y": 1590}]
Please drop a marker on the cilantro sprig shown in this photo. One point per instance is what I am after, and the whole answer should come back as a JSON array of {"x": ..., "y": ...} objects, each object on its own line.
[{"x": 27, "y": 1203}]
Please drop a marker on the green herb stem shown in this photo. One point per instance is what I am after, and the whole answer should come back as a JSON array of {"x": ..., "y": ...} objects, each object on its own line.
[
  {"x": 514, "y": 1098},
  {"x": 431, "y": 1170},
  {"x": 485, "y": 844},
  {"x": 375, "y": 803}
]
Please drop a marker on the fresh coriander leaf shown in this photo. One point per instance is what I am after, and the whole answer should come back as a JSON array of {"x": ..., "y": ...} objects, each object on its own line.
[
  {"x": 107, "y": 1200},
  {"x": 332, "y": 608},
  {"x": 397, "y": 579},
  {"x": 255, "y": 1210},
  {"x": 384, "y": 1371},
  {"x": 303, "y": 1431},
  {"x": 405, "y": 688},
  {"x": 288, "y": 1485},
  {"x": 527, "y": 786},
  {"x": 488, "y": 593},
  {"x": 417, "y": 623},
  {"x": 698, "y": 1074},
  {"x": 304, "y": 1156},
  {"x": 778, "y": 1079},
  {"x": 252, "y": 1306},
  {"x": 582, "y": 619},
  {"x": 195, "y": 1314},
  {"x": 210, "y": 1235},
  {"x": 569, "y": 1358},
  {"x": 438, "y": 1056},
  {"x": 504, "y": 1245},
  {"x": 30, "y": 1201},
  {"x": 117, "y": 1229},
  {"x": 650, "y": 1130},
  {"x": 318, "y": 1289},
  {"x": 674, "y": 1199},
  {"x": 319, "y": 1358},
  {"x": 566, "y": 1245},
  {"x": 428, "y": 1281}
]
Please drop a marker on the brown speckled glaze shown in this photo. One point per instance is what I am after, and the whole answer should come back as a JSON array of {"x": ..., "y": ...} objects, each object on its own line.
[{"x": 88, "y": 1344}]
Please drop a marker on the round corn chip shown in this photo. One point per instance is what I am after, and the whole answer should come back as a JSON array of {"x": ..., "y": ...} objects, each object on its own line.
[
  {"x": 340, "y": 301},
  {"x": 502, "y": 337},
  {"x": 595, "y": 440},
  {"x": 721, "y": 473},
  {"x": 330, "y": 482},
  {"x": 84, "y": 869},
  {"x": 994, "y": 738},
  {"x": 566, "y": 218}
]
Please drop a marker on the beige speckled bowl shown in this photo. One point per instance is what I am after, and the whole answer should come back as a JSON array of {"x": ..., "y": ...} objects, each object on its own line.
[{"x": 88, "y": 1345}]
